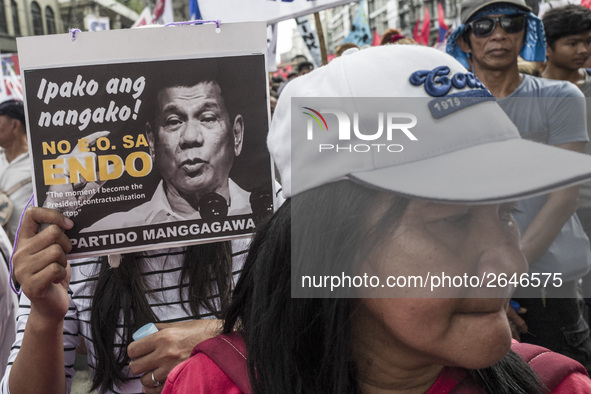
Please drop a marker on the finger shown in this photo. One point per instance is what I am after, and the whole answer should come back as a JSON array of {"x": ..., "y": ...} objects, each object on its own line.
[
  {"x": 33, "y": 255},
  {"x": 143, "y": 364},
  {"x": 143, "y": 346},
  {"x": 66, "y": 282},
  {"x": 152, "y": 390},
  {"x": 517, "y": 321},
  {"x": 111, "y": 168},
  {"x": 92, "y": 190},
  {"x": 510, "y": 312},
  {"x": 54, "y": 253},
  {"x": 52, "y": 273},
  {"x": 76, "y": 179},
  {"x": 141, "y": 353},
  {"x": 514, "y": 332},
  {"x": 37, "y": 280},
  {"x": 50, "y": 235},
  {"x": 149, "y": 383},
  {"x": 92, "y": 187},
  {"x": 36, "y": 216},
  {"x": 28, "y": 263},
  {"x": 91, "y": 139},
  {"x": 522, "y": 326}
]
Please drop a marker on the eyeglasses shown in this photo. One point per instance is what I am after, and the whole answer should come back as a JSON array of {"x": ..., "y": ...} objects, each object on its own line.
[{"x": 510, "y": 23}]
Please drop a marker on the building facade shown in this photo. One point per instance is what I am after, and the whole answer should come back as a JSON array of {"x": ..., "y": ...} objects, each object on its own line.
[
  {"x": 27, "y": 18},
  {"x": 96, "y": 15},
  {"x": 21, "y": 18},
  {"x": 385, "y": 14}
]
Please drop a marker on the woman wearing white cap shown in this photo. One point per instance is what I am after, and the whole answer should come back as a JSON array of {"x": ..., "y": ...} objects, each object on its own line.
[{"x": 344, "y": 290}]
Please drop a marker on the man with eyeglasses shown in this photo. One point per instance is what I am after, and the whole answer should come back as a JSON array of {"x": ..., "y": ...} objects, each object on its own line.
[{"x": 493, "y": 34}]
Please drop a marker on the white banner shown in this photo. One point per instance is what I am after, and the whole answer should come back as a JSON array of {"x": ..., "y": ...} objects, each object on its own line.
[
  {"x": 310, "y": 39},
  {"x": 272, "y": 47},
  {"x": 271, "y": 11}
]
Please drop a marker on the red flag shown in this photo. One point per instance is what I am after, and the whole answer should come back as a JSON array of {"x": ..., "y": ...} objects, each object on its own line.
[
  {"x": 586, "y": 3},
  {"x": 159, "y": 8},
  {"x": 443, "y": 28},
  {"x": 145, "y": 18},
  {"x": 415, "y": 32},
  {"x": 377, "y": 39},
  {"x": 441, "y": 16},
  {"x": 163, "y": 12},
  {"x": 426, "y": 28}
]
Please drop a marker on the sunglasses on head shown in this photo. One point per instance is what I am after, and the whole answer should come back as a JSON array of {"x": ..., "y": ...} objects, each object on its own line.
[{"x": 485, "y": 26}]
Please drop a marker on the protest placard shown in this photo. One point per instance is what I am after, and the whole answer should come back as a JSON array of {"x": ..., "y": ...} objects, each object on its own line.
[{"x": 152, "y": 137}]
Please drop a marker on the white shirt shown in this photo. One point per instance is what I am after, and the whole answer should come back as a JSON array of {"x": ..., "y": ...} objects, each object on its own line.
[
  {"x": 10, "y": 174},
  {"x": 158, "y": 210},
  {"x": 8, "y": 304}
]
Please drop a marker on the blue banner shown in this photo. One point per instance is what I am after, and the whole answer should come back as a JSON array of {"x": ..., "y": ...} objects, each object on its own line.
[
  {"x": 194, "y": 12},
  {"x": 360, "y": 33}
]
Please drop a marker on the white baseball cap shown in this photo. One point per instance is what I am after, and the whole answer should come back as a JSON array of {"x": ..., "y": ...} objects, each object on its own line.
[{"x": 465, "y": 148}]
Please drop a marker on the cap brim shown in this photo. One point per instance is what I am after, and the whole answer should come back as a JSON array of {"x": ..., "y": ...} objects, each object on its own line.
[{"x": 488, "y": 173}]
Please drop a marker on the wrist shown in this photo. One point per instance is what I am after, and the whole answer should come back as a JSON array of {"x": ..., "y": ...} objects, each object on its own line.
[{"x": 44, "y": 322}]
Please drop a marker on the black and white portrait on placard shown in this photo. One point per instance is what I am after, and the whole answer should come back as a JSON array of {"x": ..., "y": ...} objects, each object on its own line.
[{"x": 152, "y": 152}]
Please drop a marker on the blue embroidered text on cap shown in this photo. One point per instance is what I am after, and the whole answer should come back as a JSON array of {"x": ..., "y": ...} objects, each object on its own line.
[
  {"x": 442, "y": 106},
  {"x": 438, "y": 83}
]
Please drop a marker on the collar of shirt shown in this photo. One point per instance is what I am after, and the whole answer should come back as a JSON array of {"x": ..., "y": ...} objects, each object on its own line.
[{"x": 160, "y": 211}]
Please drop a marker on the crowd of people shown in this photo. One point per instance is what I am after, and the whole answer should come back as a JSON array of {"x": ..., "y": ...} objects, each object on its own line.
[{"x": 493, "y": 178}]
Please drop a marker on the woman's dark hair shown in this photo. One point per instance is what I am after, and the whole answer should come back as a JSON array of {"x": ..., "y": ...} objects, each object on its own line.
[
  {"x": 302, "y": 345},
  {"x": 121, "y": 293},
  {"x": 566, "y": 21}
]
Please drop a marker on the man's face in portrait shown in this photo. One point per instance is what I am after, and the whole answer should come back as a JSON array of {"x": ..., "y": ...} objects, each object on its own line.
[{"x": 194, "y": 141}]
